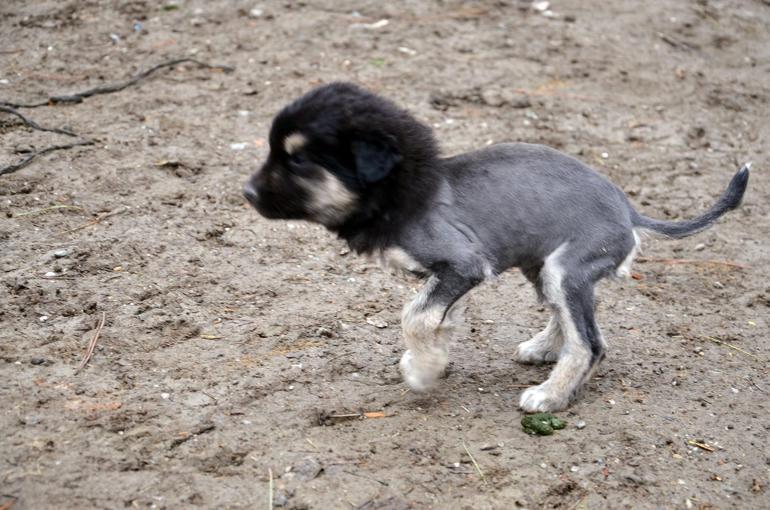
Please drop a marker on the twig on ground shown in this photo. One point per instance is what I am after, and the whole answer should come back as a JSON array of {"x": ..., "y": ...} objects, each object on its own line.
[
  {"x": 694, "y": 261},
  {"x": 197, "y": 431},
  {"x": 8, "y": 504},
  {"x": 92, "y": 343},
  {"x": 115, "y": 87},
  {"x": 747, "y": 353},
  {"x": 44, "y": 210},
  {"x": 26, "y": 161},
  {"x": 34, "y": 125},
  {"x": 475, "y": 464},
  {"x": 270, "y": 489},
  {"x": 367, "y": 478},
  {"x": 702, "y": 446},
  {"x": 96, "y": 220}
]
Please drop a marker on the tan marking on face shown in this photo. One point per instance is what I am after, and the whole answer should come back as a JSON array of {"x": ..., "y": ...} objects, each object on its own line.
[
  {"x": 294, "y": 142},
  {"x": 330, "y": 201}
]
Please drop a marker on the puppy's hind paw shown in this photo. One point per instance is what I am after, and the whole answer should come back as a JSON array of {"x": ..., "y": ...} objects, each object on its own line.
[
  {"x": 421, "y": 372},
  {"x": 540, "y": 399}
]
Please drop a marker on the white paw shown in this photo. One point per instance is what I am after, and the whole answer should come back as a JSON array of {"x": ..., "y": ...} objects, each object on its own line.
[
  {"x": 421, "y": 372},
  {"x": 540, "y": 399},
  {"x": 535, "y": 351}
]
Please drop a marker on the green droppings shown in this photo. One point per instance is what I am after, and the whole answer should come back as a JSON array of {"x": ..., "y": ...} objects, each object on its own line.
[{"x": 541, "y": 424}]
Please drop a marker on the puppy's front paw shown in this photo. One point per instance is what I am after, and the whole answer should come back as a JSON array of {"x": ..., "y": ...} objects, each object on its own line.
[
  {"x": 541, "y": 399},
  {"x": 535, "y": 352},
  {"x": 422, "y": 371}
]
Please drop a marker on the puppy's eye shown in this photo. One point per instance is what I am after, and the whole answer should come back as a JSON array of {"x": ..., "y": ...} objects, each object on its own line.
[{"x": 297, "y": 158}]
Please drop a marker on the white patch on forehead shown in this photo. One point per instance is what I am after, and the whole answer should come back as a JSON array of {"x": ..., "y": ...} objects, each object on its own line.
[
  {"x": 294, "y": 142},
  {"x": 330, "y": 201}
]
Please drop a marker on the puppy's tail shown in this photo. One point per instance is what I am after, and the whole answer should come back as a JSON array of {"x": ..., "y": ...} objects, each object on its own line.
[{"x": 729, "y": 200}]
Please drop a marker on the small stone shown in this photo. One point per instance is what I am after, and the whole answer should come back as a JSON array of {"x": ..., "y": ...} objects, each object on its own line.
[
  {"x": 491, "y": 97},
  {"x": 43, "y": 318},
  {"x": 699, "y": 247},
  {"x": 516, "y": 100},
  {"x": 256, "y": 13},
  {"x": 376, "y": 322},
  {"x": 60, "y": 254},
  {"x": 280, "y": 500},
  {"x": 165, "y": 396},
  {"x": 51, "y": 274},
  {"x": 580, "y": 425},
  {"x": 37, "y": 360}
]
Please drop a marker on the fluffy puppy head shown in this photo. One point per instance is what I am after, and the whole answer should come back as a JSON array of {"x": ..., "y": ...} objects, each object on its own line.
[{"x": 338, "y": 154}]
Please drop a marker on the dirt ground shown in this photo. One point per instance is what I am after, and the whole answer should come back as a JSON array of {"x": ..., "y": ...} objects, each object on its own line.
[{"x": 231, "y": 345}]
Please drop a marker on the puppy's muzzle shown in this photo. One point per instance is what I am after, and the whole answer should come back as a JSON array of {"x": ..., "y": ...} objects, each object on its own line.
[{"x": 251, "y": 195}]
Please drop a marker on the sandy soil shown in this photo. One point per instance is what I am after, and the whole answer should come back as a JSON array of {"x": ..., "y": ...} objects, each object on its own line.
[{"x": 231, "y": 343}]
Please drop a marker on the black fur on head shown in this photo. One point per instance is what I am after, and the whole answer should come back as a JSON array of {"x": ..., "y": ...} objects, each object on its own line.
[{"x": 346, "y": 158}]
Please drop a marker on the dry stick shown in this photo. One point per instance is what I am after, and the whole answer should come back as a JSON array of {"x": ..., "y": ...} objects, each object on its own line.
[
  {"x": 43, "y": 210},
  {"x": 747, "y": 353},
  {"x": 92, "y": 343},
  {"x": 116, "y": 87},
  {"x": 695, "y": 261},
  {"x": 475, "y": 464},
  {"x": 34, "y": 125},
  {"x": 26, "y": 161},
  {"x": 96, "y": 220},
  {"x": 270, "y": 490}
]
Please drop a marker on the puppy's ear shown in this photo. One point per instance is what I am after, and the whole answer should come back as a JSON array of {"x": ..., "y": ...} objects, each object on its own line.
[{"x": 374, "y": 160}]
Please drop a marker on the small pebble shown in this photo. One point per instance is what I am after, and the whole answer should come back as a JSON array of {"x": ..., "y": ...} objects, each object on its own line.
[
  {"x": 256, "y": 13},
  {"x": 43, "y": 318},
  {"x": 37, "y": 360},
  {"x": 699, "y": 247},
  {"x": 376, "y": 322},
  {"x": 580, "y": 425},
  {"x": 60, "y": 254}
]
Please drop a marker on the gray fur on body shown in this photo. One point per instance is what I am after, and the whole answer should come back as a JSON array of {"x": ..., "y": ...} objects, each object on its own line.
[{"x": 366, "y": 169}]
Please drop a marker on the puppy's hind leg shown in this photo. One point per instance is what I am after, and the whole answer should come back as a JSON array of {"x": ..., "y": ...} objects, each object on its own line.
[
  {"x": 427, "y": 324},
  {"x": 583, "y": 347},
  {"x": 544, "y": 347}
]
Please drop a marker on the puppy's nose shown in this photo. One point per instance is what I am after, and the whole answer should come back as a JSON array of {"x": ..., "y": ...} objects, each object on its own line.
[{"x": 251, "y": 194}]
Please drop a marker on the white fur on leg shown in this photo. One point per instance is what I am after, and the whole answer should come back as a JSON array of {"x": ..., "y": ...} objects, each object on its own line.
[
  {"x": 574, "y": 357},
  {"x": 624, "y": 269},
  {"x": 422, "y": 371},
  {"x": 426, "y": 333},
  {"x": 544, "y": 347}
]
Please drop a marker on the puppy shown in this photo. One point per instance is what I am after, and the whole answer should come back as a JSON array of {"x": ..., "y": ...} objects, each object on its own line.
[{"x": 367, "y": 170}]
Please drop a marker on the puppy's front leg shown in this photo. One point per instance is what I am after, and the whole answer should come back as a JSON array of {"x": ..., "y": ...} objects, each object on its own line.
[{"x": 427, "y": 323}]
